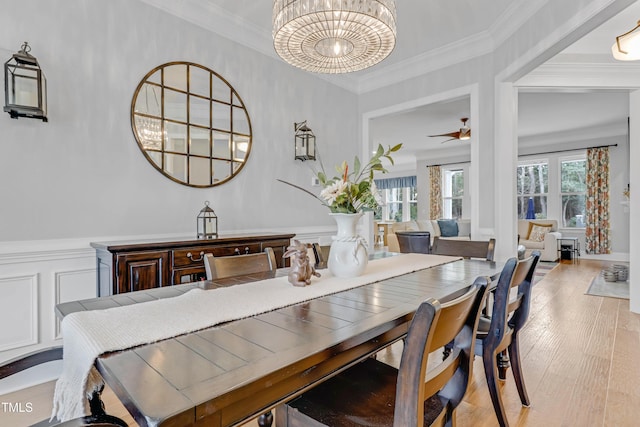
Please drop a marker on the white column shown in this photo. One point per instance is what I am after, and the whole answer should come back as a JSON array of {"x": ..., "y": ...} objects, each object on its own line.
[
  {"x": 634, "y": 201},
  {"x": 506, "y": 160}
]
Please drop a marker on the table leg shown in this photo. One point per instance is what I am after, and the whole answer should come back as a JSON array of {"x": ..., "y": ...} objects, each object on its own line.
[{"x": 266, "y": 419}]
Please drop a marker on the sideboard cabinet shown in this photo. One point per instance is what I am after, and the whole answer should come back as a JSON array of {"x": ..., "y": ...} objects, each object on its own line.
[{"x": 126, "y": 266}]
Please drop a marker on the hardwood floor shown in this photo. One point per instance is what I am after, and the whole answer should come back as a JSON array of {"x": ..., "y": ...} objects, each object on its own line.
[{"x": 580, "y": 356}]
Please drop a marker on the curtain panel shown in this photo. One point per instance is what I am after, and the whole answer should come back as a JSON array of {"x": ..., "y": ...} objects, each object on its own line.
[
  {"x": 597, "y": 203},
  {"x": 435, "y": 202}
]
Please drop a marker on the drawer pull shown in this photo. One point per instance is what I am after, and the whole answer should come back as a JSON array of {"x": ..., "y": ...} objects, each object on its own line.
[{"x": 190, "y": 256}]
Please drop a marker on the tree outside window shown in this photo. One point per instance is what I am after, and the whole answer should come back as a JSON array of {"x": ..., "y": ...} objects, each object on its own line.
[
  {"x": 573, "y": 188},
  {"x": 532, "y": 182},
  {"x": 453, "y": 192}
]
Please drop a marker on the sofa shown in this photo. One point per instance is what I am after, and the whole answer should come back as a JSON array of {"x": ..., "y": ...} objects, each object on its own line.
[
  {"x": 539, "y": 234},
  {"x": 462, "y": 226}
]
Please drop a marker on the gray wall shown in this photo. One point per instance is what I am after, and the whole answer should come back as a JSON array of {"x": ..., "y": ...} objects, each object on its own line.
[{"x": 82, "y": 173}]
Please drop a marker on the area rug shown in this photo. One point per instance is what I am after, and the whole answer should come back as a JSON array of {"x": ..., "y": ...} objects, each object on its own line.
[
  {"x": 542, "y": 269},
  {"x": 601, "y": 288}
]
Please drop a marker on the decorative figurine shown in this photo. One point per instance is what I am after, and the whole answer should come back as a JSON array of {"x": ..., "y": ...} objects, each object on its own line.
[{"x": 301, "y": 269}]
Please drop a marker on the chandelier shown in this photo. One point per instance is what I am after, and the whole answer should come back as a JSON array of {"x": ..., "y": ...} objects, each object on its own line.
[
  {"x": 334, "y": 36},
  {"x": 627, "y": 45}
]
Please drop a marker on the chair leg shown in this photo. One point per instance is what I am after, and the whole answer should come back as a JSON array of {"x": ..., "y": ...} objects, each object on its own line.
[
  {"x": 514, "y": 354},
  {"x": 503, "y": 364},
  {"x": 98, "y": 415},
  {"x": 490, "y": 371}
]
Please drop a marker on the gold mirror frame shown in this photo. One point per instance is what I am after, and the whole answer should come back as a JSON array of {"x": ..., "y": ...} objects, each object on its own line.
[{"x": 191, "y": 124}]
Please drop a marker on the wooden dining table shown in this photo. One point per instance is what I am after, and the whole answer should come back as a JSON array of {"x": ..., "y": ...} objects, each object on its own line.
[{"x": 230, "y": 373}]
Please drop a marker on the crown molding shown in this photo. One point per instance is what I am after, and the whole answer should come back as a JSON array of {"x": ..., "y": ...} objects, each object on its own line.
[
  {"x": 213, "y": 18},
  {"x": 581, "y": 136},
  {"x": 583, "y": 75},
  {"x": 453, "y": 53}
]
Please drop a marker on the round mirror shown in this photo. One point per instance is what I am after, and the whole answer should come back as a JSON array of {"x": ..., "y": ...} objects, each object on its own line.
[{"x": 191, "y": 124}]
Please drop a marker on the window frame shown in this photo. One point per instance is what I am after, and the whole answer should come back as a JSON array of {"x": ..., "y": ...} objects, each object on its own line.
[
  {"x": 446, "y": 173},
  {"x": 545, "y": 195},
  {"x": 561, "y": 194}
]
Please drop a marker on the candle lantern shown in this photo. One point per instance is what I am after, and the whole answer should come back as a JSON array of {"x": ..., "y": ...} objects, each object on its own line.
[
  {"x": 25, "y": 86},
  {"x": 305, "y": 142},
  {"x": 207, "y": 222}
]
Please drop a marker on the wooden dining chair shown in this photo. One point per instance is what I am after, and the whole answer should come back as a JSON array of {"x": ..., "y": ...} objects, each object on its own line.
[
  {"x": 239, "y": 265},
  {"x": 372, "y": 393},
  {"x": 320, "y": 254},
  {"x": 414, "y": 241},
  {"x": 464, "y": 248},
  {"x": 499, "y": 333},
  {"x": 98, "y": 416}
]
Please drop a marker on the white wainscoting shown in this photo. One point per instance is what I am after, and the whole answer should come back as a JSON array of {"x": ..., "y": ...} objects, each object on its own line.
[{"x": 18, "y": 311}]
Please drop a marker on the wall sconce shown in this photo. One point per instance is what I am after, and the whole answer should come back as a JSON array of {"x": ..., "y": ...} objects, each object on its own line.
[
  {"x": 207, "y": 222},
  {"x": 305, "y": 142},
  {"x": 627, "y": 46},
  {"x": 25, "y": 86}
]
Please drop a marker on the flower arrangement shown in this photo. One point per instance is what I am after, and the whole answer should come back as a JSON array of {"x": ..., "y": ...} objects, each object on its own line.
[{"x": 352, "y": 191}]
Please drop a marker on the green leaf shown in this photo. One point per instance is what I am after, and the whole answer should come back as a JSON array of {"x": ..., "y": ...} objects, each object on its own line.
[
  {"x": 356, "y": 166},
  {"x": 379, "y": 151}
]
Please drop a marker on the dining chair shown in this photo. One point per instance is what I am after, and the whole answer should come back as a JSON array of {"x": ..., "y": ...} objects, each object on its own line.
[
  {"x": 239, "y": 265},
  {"x": 320, "y": 254},
  {"x": 414, "y": 241},
  {"x": 373, "y": 393},
  {"x": 498, "y": 334},
  {"x": 98, "y": 416},
  {"x": 464, "y": 248}
]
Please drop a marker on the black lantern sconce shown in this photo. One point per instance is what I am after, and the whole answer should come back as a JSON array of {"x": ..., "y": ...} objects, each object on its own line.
[
  {"x": 305, "y": 142},
  {"x": 207, "y": 223},
  {"x": 25, "y": 86}
]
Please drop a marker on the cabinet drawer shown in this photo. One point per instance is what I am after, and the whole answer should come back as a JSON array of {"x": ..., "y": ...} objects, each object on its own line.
[{"x": 194, "y": 256}]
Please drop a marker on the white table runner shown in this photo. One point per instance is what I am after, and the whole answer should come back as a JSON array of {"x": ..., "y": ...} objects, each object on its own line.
[{"x": 88, "y": 334}]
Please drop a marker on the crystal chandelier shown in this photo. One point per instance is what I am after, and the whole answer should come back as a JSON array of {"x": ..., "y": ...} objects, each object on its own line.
[{"x": 334, "y": 36}]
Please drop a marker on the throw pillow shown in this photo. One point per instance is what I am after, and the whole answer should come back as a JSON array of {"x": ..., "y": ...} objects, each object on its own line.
[
  {"x": 532, "y": 224},
  {"x": 448, "y": 227},
  {"x": 537, "y": 233}
]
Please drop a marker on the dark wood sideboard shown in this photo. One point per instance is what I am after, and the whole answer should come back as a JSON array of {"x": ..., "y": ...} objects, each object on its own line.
[{"x": 126, "y": 266}]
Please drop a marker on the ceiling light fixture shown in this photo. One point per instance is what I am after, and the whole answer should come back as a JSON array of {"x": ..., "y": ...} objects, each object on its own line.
[
  {"x": 334, "y": 36},
  {"x": 627, "y": 46}
]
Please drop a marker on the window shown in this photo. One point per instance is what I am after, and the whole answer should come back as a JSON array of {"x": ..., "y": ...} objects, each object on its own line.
[
  {"x": 394, "y": 204},
  {"x": 452, "y": 193},
  {"x": 400, "y": 197},
  {"x": 573, "y": 188},
  {"x": 532, "y": 183}
]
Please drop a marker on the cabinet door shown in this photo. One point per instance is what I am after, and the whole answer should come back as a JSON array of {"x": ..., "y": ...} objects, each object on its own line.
[{"x": 143, "y": 270}]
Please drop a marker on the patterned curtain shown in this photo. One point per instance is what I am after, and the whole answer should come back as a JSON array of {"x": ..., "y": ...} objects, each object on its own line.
[
  {"x": 597, "y": 209},
  {"x": 435, "y": 204}
]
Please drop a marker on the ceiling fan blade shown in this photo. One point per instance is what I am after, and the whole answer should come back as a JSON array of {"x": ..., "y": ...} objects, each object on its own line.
[
  {"x": 454, "y": 135},
  {"x": 447, "y": 140}
]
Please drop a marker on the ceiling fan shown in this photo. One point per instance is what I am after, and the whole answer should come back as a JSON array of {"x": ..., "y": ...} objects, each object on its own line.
[{"x": 463, "y": 134}]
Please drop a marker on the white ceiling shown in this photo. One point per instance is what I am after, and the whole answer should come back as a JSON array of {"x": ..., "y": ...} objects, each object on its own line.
[{"x": 424, "y": 33}]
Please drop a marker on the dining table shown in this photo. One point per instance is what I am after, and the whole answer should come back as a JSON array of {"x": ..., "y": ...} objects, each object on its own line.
[{"x": 227, "y": 374}]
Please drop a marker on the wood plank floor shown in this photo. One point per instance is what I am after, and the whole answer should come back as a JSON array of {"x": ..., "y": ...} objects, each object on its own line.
[{"x": 580, "y": 356}]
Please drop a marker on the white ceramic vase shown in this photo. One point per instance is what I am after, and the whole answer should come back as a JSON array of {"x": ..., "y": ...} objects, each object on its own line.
[{"x": 348, "y": 256}]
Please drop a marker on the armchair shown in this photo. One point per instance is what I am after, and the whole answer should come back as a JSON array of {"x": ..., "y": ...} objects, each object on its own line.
[{"x": 548, "y": 246}]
